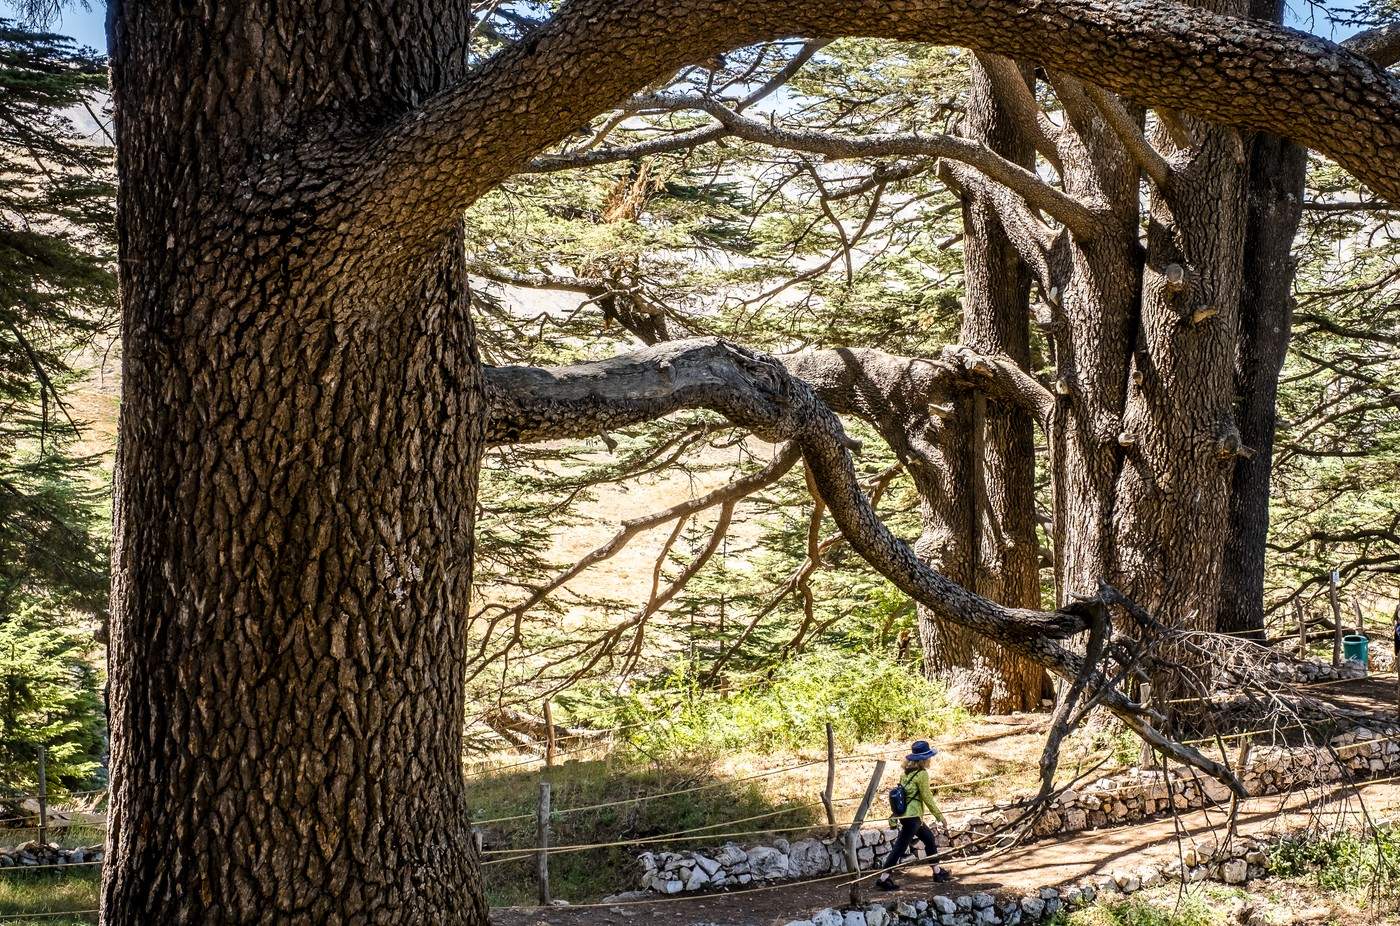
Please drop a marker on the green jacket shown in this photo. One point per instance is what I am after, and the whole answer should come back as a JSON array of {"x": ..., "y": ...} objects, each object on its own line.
[{"x": 920, "y": 797}]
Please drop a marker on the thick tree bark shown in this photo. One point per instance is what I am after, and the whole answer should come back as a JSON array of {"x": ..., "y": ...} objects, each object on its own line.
[
  {"x": 303, "y": 415},
  {"x": 296, "y": 486},
  {"x": 1276, "y": 179},
  {"x": 978, "y": 508},
  {"x": 1094, "y": 311},
  {"x": 1179, "y": 434}
]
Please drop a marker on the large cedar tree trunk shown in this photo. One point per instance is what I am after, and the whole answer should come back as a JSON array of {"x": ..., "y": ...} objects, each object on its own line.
[
  {"x": 979, "y": 513},
  {"x": 300, "y": 433},
  {"x": 1277, "y": 175}
]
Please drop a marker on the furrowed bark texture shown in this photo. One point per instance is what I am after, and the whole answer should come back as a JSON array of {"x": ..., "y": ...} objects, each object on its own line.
[
  {"x": 1093, "y": 319},
  {"x": 979, "y": 515},
  {"x": 296, "y": 485},
  {"x": 303, "y": 416},
  {"x": 1179, "y": 433},
  {"x": 1277, "y": 175}
]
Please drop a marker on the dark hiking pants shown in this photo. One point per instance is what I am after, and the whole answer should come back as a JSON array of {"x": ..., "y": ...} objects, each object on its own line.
[{"x": 909, "y": 828}]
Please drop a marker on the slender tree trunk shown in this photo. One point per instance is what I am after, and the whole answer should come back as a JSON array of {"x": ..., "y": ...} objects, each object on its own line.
[
  {"x": 983, "y": 521},
  {"x": 1094, "y": 317},
  {"x": 1277, "y": 176},
  {"x": 300, "y": 433}
]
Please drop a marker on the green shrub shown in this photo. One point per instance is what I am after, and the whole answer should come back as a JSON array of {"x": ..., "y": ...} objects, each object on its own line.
[
  {"x": 866, "y": 697},
  {"x": 1343, "y": 861}
]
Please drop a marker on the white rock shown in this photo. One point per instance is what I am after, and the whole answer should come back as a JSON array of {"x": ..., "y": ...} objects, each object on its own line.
[
  {"x": 827, "y": 917},
  {"x": 876, "y": 915},
  {"x": 1033, "y": 907},
  {"x": 1235, "y": 871},
  {"x": 767, "y": 863},
  {"x": 731, "y": 855},
  {"x": 698, "y": 879},
  {"x": 707, "y": 865},
  {"x": 854, "y": 918},
  {"x": 943, "y": 904},
  {"x": 809, "y": 857}
]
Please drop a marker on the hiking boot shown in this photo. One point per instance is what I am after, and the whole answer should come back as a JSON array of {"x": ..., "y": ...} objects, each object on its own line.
[
  {"x": 886, "y": 884},
  {"x": 941, "y": 875}
]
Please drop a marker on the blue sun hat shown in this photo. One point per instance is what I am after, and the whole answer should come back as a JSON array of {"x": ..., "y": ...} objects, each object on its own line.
[{"x": 922, "y": 751}]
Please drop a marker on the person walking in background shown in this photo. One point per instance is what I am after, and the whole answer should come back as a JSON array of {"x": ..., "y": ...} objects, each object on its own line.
[{"x": 910, "y": 800}]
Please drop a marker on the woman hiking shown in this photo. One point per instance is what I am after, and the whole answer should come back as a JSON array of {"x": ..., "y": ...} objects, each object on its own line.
[{"x": 916, "y": 796}]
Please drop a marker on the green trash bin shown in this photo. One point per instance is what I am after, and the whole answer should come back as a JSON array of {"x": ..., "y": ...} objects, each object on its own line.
[{"x": 1356, "y": 648}]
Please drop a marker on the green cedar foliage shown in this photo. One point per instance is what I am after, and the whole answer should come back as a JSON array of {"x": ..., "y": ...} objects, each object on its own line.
[{"x": 57, "y": 293}]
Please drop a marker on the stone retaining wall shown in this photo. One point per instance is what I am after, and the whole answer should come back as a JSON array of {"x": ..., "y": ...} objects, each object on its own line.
[
  {"x": 1125, "y": 798},
  {"x": 1244, "y": 860},
  {"x": 31, "y": 854}
]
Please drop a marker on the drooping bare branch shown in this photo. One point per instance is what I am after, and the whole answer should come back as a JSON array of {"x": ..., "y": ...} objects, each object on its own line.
[
  {"x": 756, "y": 392},
  {"x": 730, "y": 493}
]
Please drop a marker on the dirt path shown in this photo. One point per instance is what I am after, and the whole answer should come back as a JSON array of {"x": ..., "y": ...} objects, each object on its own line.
[
  {"x": 1018, "y": 871},
  {"x": 1373, "y": 695}
]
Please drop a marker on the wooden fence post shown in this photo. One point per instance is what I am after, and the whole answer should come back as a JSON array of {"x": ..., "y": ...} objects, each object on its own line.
[
  {"x": 548, "y": 736},
  {"x": 830, "y": 782},
  {"x": 542, "y": 857},
  {"x": 1360, "y": 621},
  {"x": 1302, "y": 629},
  {"x": 43, "y": 795},
  {"x": 853, "y": 834},
  {"x": 1336, "y": 618},
  {"x": 1146, "y": 757}
]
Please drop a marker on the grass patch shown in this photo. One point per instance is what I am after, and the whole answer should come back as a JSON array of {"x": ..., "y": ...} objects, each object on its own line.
[
  {"x": 1191, "y": 910},
  {"x": 69, "y": 837},
  {"x": 1345, "y": 862},
  {"x": 719, "y": 807},
  {"x": 52, "y": 891}
]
